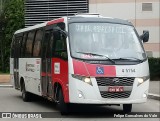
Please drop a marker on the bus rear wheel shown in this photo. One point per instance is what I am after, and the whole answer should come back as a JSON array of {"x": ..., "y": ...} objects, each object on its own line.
[
  {"x": 25, "y": 95},
  {"x": 63, "y": 107},
  {"x": 127, "y": 108}
]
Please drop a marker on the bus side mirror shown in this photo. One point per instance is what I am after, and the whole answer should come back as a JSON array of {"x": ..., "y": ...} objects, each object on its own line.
[
  {"x": 145, "y": 36},
  {"x": 61, "y": 31},
  {"x": 64, "y": 33}
]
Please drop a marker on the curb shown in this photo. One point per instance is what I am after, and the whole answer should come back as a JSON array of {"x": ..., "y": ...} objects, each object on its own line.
[
  {"x": 154, "y": 96},
  {"x": 6, "y": 86}
]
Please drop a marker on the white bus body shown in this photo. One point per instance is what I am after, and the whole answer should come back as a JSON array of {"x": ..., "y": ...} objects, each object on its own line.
[{"x": 81, "y": 59}]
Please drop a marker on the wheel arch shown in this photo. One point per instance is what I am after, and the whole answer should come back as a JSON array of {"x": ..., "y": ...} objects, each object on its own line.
[{"x": 56, "y": 88}]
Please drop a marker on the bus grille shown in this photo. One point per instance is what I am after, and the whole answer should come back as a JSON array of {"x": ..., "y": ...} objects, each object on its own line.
[
  {"x": 115, "y": 81},
  {"x": 115, "y": 94}
]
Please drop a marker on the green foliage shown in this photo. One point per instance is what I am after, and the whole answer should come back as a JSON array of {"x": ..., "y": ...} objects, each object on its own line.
[
  {"x": 7, "y": 72},
  {"x": 154, "y": 66},
  {"x": 13, "y": 16}
]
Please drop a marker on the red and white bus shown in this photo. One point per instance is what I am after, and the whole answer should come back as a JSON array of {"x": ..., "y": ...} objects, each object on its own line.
[{"x": 81, "y": 59}]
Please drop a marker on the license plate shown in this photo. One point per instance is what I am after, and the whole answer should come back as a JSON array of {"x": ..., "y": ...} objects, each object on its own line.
[{"x": 115, "y": 89}]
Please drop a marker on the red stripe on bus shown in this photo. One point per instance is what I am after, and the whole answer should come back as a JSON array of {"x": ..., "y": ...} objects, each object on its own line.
[
  {"x": 49, "y": 74},
  {"x": 79, "y": 68},
  {"x": 55, "y": 21},
  {"x": 109, "y": 71},
  {"x": 62, "y": 76},
  {"x": 86, "y": 69},
  {"x": 43, "y": 74}
]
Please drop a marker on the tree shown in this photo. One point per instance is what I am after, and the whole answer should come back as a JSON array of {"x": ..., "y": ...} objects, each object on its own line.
[
  {"x": 2, "y": 23},
  {"x": 14, "y": 20}
]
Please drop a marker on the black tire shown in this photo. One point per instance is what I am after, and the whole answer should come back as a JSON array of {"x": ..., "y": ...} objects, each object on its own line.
[
  {"x": 127, "y": 108},
  {"x": 26, "y": 96},
  {"x": 63, "y": 107}
]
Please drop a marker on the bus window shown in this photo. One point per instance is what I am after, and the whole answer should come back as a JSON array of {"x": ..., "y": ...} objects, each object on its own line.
[
  {"x": 45, "y": 42},
  {"x": 18, "y": 46},
  {"x": 50, "y": 46},
  {"x": 37, "y": 43},
  {"x": 60, "y": 46},
  {"x": 23, "y": 45},
  {"x": 13, "y": 47},
  {"x": 29, "y": 42}
]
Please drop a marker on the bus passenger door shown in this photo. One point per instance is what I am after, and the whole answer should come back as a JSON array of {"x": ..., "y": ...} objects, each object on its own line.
[
  {"x": 16, "y": 62},
  {"x": 46, "y": 76}
]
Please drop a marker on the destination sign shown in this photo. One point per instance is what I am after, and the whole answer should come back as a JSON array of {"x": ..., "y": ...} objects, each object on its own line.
[{"x": 100, "y": 28}]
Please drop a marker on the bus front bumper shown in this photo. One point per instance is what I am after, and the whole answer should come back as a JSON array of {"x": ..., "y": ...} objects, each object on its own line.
[{"x": 83, "y": 93}]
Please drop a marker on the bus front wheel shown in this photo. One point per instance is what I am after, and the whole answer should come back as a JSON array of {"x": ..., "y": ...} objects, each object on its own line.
[
  {"x": 127, "y": 108},
  {"x": 61, "y": 104},
  {"x": 25, "y": 95}
]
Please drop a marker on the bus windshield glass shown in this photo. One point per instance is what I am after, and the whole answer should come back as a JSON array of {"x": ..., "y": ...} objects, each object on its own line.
[{"x": 101, "y": 41}]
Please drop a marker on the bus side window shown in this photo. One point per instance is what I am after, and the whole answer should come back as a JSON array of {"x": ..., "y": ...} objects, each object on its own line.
[
  {"x": 23, "y": 45},
  {"x": 50, "y": 46},
  {"x": 29, "y": 43},
  {"x": 60, "y": 49},
  {"x": 37, "y": 43},
  {"x": 13, "y": 47},
  {"x": 44, "y": 43},
  {"x": 18, "y": 41}
]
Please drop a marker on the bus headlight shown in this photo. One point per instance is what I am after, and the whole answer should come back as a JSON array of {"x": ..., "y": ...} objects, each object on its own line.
[
  {"x": 83, "y": 78},
  {"x": 142, "y": 79},
  {"x": 87, "y": 80}
]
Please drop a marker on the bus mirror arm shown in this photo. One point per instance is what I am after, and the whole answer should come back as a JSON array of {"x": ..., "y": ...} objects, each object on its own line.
[
  {"x": 145, "y": 36},
  {"x": 65, "y": 33}
]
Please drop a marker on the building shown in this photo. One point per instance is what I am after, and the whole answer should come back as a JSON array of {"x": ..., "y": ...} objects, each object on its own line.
[
  {"x": 144, "y": 14},
  {"x": 38, "y": 11}
]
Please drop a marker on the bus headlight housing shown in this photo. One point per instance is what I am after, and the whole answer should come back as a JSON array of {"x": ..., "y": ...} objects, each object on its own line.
[
  {"x": 83, "y": 78},
  {"x": 142, "y": 79}
]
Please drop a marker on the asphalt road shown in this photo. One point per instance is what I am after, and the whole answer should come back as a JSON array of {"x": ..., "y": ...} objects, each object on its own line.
[{"x": 11, "y": 101}]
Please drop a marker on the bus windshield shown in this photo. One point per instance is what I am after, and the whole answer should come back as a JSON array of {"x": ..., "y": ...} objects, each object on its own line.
[{"x": 101, "y": 41}]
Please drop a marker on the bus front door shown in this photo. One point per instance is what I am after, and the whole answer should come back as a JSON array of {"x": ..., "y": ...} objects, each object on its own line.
[
  {"x": 46, "y": 82},
  {"x": 16, "y": 62}
]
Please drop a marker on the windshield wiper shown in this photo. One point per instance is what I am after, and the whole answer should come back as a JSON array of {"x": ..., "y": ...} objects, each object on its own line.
[
  {"x": 128, "y": 58},
  {"x": 95, "y": 54}
]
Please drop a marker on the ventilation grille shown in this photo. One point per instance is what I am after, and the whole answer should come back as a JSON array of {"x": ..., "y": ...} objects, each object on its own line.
[
  {"x": 115, "y": 81},
  {"x": 115, "y": 95},
  {"x": 146, "y": 6},
  {"x": 39, "y": 11}
]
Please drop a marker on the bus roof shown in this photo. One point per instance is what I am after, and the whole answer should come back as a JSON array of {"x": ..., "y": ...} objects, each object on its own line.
[
  {"x": 99, "y": 19},
  {"x": 30, "y": 28},
  {"x": 39, "y": 25},
  {"x": 78, "y": 18}
]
